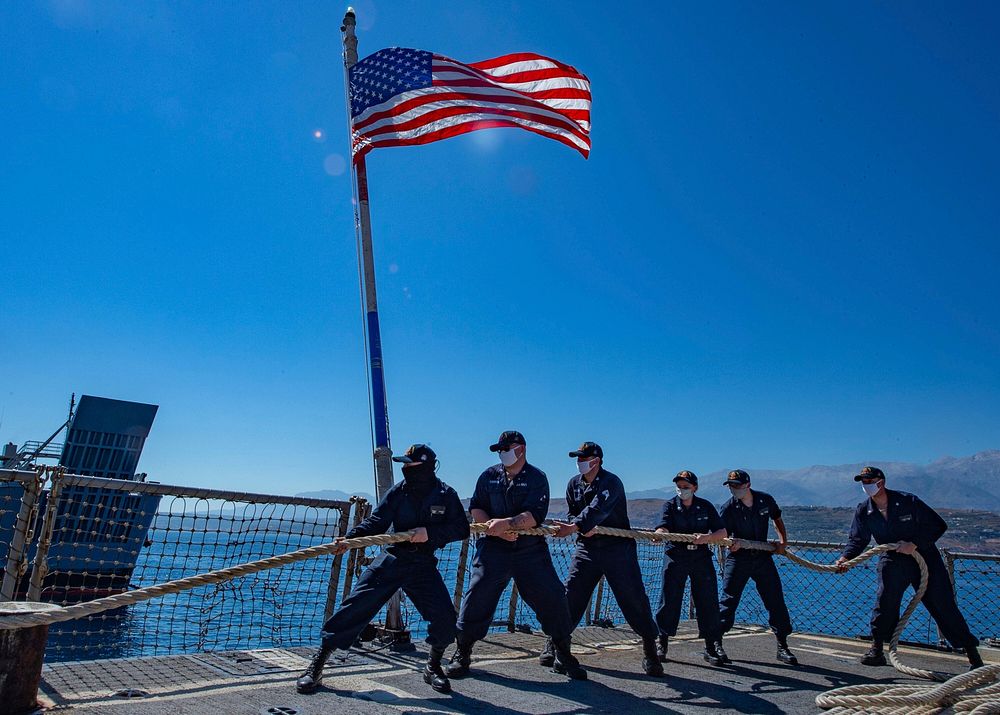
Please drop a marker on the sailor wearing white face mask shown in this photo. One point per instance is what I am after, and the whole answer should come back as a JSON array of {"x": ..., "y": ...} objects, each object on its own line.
[
  {"x": 596, "y": 497},
  {"x": 688, "y": 514},
  {"x": 510, "y": 496},
  {"x": 748, "y": 516},
  {"x": 891, "y": 517}
]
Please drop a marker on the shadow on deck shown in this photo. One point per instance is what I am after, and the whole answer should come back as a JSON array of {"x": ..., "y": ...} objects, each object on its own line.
[{"x": 506, "y": 679}]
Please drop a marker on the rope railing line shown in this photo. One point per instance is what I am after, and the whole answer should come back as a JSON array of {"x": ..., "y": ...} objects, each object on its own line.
[
  {"x": 131, "y": 487},
  {"x": 127, "y": 598},
  {"x": 79, "y": 610},
  {"x": 968, "y": 692}
]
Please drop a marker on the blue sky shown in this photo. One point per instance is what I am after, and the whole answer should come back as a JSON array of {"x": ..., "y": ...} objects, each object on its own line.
[{"x": 782, "y": 251}]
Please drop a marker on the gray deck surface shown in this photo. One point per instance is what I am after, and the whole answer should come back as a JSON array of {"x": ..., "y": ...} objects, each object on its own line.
[{"x": 506, "y": 679}]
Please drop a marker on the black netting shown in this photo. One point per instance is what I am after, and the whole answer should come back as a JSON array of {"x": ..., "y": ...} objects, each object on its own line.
[{"x": 107, "y": 540}]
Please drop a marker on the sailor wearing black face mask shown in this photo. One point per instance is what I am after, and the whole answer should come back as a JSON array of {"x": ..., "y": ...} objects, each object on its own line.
[
  {"x": 509, "y": 496},
  {"x": 891, "y": 517},
  {"x": 747, "y": 515},
  {"x": 688, "y": 514},
  {"x": 432, "y": 509}
]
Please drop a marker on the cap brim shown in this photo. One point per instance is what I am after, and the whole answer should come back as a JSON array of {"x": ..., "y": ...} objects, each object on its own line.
[
  {"x": 496, "y": 447},
  {"x": 577, "y": 453},
  {"x": 733, "y": 483},
  {"x": 404, "y": 459},
  {"x": 686, "y": 479},
  {"x": 859, "y": 477}
]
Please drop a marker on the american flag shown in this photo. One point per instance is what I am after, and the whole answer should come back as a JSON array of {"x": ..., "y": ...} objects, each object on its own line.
[{"x": 401, "y": 96}]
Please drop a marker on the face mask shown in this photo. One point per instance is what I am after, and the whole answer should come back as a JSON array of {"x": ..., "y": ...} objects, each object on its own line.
[
  {"x": 418, "y": 474},
  {"x": 739, "y": 492},
  {"x": 585, "y": 467},
  {"x": 685, "y": 494},
  {"x": 508, "y": 457},
  {"x": 871, "y": 489}
]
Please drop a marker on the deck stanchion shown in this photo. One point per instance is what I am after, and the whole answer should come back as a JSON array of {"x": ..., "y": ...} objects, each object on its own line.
[
  {"x": 41, "y": 564},
  {"x": 23, "y": 529},
  {"x": 21, "y": 654}
]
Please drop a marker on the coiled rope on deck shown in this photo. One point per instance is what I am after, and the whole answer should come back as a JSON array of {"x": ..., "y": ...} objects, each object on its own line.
[{"x": 976, "y": 692}]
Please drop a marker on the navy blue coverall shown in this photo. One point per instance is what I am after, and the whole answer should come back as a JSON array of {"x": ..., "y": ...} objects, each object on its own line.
[
  {"x": 603, "y": 503},
  {"x": 751, "y": 523},
  {"x": 683, "y": 561},
  {"x": 407, "y": 566},
  {"x": 525, "y": 559},
  {"x": 908, "y": 519}
]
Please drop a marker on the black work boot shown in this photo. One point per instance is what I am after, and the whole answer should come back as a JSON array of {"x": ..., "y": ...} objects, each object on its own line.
[
  {"x": 711, "y": 653},
  {"x": 975, "y": 659},
  {"x": 566, "y": 663},
  {"x": 784, "y": 654},
  {"x": 433, "y": 674},
  {"x": 721, "y": 652},
  {"x": 548, "y": 655},
  {"x": 651, "y": 658},
  {"x": 310, "y": 680},
  {"x": 458, "y": 667},
  {"x": 661, "y": 648},
  {"x": 874, "y": 656}
]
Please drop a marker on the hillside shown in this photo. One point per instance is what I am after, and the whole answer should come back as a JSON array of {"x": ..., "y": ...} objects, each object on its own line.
[{"x": 949, "y": 483}]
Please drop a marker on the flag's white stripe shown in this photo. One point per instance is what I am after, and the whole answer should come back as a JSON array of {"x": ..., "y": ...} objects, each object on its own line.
[
  {"x": 363, "y": 140},
  {"x": 511, "y": 68},
  {"x": 417, "y": 112},
  {"x": 532, "y": 86},
  {"x": 406, "y": 96}
]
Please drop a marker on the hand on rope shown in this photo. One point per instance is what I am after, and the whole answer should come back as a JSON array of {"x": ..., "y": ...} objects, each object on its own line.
[{"x": 982, "y": 685}]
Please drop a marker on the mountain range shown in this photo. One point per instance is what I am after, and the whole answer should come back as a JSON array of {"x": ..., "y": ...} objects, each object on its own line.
[{"x": 950, "y": 483}]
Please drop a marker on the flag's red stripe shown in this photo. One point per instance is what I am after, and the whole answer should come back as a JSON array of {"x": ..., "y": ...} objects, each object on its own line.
[
  {"x": 474, "y": 100},
  {"x": 458, "y": 129},
  {"x": 526, "y": 76},
  {"x": 435, "y": 115}
]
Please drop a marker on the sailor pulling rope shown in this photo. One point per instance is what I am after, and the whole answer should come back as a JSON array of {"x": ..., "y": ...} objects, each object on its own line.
[{"x": 977, "y": 691}]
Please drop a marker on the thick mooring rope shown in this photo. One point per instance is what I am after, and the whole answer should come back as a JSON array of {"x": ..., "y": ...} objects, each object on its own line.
[{"x": 976, "y": 692}]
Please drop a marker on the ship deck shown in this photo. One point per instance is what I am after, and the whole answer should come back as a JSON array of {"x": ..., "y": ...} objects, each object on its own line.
[{"x": 506, "y": 679}]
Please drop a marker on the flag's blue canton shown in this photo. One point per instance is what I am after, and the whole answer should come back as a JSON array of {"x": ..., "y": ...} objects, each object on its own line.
[{"x": 387, "y": 73}]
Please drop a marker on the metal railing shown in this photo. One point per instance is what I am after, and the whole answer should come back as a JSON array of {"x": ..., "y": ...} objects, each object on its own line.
[{"x": 72, "y": 538}]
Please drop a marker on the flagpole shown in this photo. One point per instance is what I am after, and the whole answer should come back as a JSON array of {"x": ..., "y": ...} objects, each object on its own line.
[
  {"x": 379, "y": 406},
  {"x": 380, "y": 409}
]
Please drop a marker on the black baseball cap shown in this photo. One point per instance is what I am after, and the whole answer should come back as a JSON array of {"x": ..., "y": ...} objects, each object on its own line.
[
  {"x": 588, "y": 449},
  {"x": 737, "y": 476},
  {"x": 417, "y": 453},
  {"x": 508, "y": 438},
  {"x": 687, "y": 476},
  {"x": 869, "y": 473}
]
